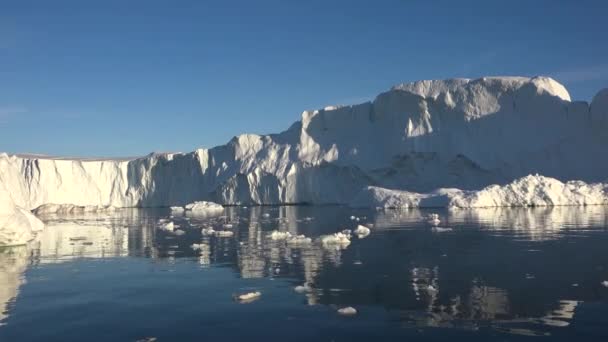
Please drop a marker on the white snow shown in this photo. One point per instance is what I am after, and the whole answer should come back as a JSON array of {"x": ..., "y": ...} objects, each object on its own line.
[
  {"x": 347, "y": 311},
  {"x": 524, "y": 192},
  {"x": 362, "y": 231}
]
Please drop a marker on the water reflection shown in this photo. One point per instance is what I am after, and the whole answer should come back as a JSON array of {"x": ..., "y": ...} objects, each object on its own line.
[{"x": 472, "y": 277}]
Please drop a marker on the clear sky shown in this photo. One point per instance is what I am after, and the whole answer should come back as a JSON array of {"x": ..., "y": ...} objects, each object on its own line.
[{"x": 124, "y": 78}]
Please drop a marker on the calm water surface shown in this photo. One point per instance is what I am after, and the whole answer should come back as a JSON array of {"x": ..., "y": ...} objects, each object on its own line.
[{"x": 498, "y": 274}]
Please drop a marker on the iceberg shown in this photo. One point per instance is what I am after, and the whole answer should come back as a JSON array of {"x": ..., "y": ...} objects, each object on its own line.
[
  {"x": 418, "y": 137},
  {"x": 18, "y": 226}
]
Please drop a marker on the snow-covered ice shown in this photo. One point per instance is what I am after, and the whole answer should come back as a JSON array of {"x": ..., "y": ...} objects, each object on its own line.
[
  {"x": 169, "y": 226},
  {"x": 278, "y": 235},
  {"x": 336, "y": 239}
]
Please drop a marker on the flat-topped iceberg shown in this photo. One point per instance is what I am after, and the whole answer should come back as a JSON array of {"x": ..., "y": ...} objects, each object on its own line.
[
  {"x": 416, "y": 137},
  {"x": 17, "y": 225}
]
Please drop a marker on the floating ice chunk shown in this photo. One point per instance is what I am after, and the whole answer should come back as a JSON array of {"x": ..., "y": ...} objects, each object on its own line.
[
  {"x": 431, "y": 289},
  {"x": 228, "y": 225},
  {"x": 353, "y": 218},
  {"x": 177, "y": 210},
  {"x": 179, "y": 232},
  {"x": 169, "y": 226},
  {"x": 224, "y": 233},
  {"x": 339, "y": 239},
  {"x": 307, "y": 219},
  {"x": 299, "y": 240},
  {"x": 265, "y": 215},
  {"x": 277, "y": 235},
  {"x": 347, "y": 311},
  {"x": 197, "y": 246},
  {"x": 302, "y": 288},
  {"x": 248, "y": 297},
  {"x": 441, "y": 229},
  {"x": 605, "y": 283},
  {"x": 207, "y": 231},
  {"x": 362, "y": 231},
  {"x": 203, "y": 205},
  {"x": 433, "y": 219}
]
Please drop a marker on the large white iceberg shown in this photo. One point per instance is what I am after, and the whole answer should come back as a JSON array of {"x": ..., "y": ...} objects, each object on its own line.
[
  {"x": 421, "y": 136},
  {"x": 17, "y": 225}
]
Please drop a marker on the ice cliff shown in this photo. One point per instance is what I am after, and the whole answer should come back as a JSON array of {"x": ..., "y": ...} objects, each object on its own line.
[{"x": 418, "y": 137}]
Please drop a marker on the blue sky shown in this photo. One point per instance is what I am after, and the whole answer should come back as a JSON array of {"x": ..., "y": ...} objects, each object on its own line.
[{"x": 124, "y": 78}]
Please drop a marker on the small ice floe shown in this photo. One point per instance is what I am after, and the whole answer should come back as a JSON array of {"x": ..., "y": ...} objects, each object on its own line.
[
  {"x": 228, "y": 226},
  {"x": 279, "y": 236},
  {"x": 177, "y": 210},
  {"x": 431, "y": 289},
  {"x": 530, "y": 276},
  {"x": 302, "y": 288},
  {"x": 307, "y": 219},
  {"x": 224, "y": 233},
  {"x": 347, "y": 311},
  {"x": 197, "y": 246},
  {"x": 352, "y": 218},
  {"x": 441, "y": 229},
  {"x": 575, "y": 285},
  {"x": 299, "y": 240},
  {"x": 208, "y": 231},
  {"x": 179, "y": 232},
  {"x": 265, "y": 215},
  {"x": 160, "y": 221},
  {"x": 433, "y": 219},
  {"x": 248, "y": 297},
  {"x": 605, "y": 283},
  {"x": 336, "y": 240},
  {"x": 362, "y": 231},
  {"x": 169, "y": 226}
]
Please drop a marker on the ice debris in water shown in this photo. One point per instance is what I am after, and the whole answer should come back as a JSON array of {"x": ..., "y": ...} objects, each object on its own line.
[
  {"x": 433, "y": 219},
  {"x": 339, "y": 239},
  {"x": 347, "y": 311},
  {"x": 179, "y": 232},
  {"x": 605, "y": 283},
  {"x": 169, "y": 226},
  {"x": 177, "y": 210},
  {"x": 208, "y": 231},
  {"x": 299, "y": 240},
  {"x": 302, "y": 288},
  {"x": 228, "y": 225},
  {"x": 197, "y": 246},
  {"x": 362, "y": 231},
  {"x": 265, "y": 215},
  {"x": 203, "y": 206},
  {"x": 248, "y": 297},
  {"x": 278, "y": 235}
]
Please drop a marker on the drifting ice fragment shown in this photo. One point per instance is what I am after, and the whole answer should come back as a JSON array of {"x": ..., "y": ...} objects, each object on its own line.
[
  {"x": 299, "y": 240},
  {"x": 277, "y": 235},
  {"x": 179, "y": 232},
  {"x": 208, "y": 231},
  {"x": 302, "y": 288},
  {"x": 339, "y": 239},
  {"x": 605, "y": 283},
  {"x": 347, "y": 311},
  {"x": 441, "y": 229},
  {"x": 362, "y": 231},
  {"x": 177, "y": 210},
  {"x": 248, "y": 297},
  {"x": 170, "y": 226}
]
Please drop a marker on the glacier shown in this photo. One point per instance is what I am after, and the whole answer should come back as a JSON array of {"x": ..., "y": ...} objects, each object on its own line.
[{"x": 416, "y": 137}]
